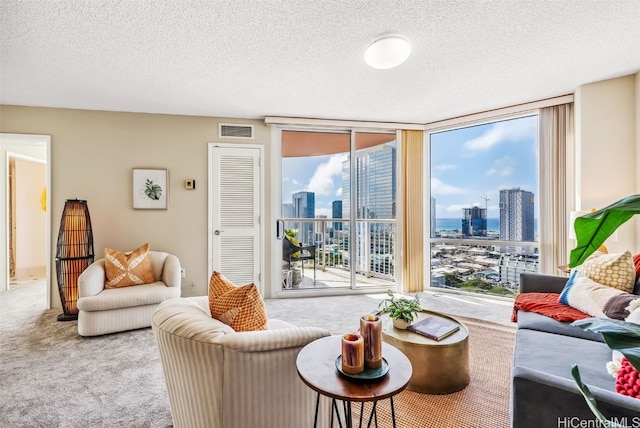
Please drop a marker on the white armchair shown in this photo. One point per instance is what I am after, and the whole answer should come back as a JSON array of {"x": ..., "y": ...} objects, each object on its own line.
[
  {"x": 219, "y": 378},
  {"x": 102, "y": 311}
]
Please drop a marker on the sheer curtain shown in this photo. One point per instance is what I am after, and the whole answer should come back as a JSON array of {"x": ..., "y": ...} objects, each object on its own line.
[
  {"x": 555, "y": 133},
  {"x": 412, "y": 170}
]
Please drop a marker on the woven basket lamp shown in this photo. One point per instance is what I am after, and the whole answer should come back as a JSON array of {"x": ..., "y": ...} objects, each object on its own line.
[{"x": 73, "y": 255}]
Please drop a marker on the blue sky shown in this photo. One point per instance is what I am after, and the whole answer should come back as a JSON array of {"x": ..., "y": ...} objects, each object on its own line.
[
  {"x": 467, "y": 164},
  {"x": 470, "y": 163}
]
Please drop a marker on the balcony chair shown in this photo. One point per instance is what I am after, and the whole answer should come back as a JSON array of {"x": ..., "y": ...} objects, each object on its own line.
[{"x": 292, "y": 253}]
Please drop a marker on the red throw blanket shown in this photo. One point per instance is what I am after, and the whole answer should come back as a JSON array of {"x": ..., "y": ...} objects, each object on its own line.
[{"x": 546, "y": 304}]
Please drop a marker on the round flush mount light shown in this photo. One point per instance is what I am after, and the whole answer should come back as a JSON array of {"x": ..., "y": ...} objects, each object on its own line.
[{"x": 387, "y": 52}]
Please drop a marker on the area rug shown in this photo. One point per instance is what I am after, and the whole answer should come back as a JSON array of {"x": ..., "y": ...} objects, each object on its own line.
[
  {"x": 484, "y": 403},
  {"x": 51, "y": 377}
]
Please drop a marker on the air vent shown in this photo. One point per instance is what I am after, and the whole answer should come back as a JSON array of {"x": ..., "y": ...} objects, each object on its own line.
[{"x": 227, "y": 130}]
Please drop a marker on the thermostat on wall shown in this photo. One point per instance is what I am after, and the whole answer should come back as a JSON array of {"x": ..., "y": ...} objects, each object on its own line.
[{"x": 189, "y": 184}]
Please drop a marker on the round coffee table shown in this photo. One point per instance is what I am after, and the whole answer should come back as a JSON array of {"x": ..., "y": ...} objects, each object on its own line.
[
  {"x": 439, "y": 366},
  {"x": 316, "y": 364}
]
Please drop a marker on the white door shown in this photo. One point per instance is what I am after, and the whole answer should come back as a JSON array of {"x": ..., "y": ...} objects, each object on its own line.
[{"x": 235, "y": 210}]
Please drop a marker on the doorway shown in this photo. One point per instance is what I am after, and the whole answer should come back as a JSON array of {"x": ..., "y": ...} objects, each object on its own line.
[
  {"x": 337, "y": 214},
  {"x": 25, "y": 177}
]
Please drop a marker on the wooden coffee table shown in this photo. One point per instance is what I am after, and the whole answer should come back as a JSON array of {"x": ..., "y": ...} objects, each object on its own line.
[
  {"x": 316, "y": 364},
  {"x": 439, "y": 366}
]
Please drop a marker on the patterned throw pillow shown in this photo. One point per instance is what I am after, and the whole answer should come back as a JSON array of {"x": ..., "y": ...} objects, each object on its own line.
[
  {"x": 241, "y": 308},
  {"x": 218, "y": 285},
  {"x": 595, "y": 299},
  {"x": 126, "y": 269},
  {"x": 615, "y": 270}
]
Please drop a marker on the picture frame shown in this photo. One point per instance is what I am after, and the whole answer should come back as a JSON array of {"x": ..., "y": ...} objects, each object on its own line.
[{"x": 150, "y": 189}]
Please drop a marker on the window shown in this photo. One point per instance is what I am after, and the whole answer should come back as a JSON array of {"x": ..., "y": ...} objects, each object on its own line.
[{"x": 484, "y": 205}]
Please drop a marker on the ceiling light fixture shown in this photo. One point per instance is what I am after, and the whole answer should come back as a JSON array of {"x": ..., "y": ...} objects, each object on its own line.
[{"x": 387, "y": 52}]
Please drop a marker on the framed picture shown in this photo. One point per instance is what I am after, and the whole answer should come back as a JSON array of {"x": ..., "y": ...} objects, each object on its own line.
[{"x": 150, "y": 189}]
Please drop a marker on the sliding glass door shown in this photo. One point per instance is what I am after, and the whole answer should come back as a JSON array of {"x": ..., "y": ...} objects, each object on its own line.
[{"x": 337, "y": 218}]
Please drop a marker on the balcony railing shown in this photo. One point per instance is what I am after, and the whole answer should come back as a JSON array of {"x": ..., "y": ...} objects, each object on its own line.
[{"x": 374, "y": 244}]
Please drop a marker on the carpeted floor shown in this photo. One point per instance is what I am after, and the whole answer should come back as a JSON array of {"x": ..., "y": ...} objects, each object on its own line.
[{"x": 51, "y": 377}]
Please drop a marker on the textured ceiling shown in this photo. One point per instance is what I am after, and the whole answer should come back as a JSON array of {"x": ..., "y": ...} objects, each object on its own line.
[{"x": 299, "y": 58}]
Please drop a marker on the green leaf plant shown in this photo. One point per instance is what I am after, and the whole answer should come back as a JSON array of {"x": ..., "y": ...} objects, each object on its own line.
[
  {"x": 594, "y": 228},
  {"x": 619, "y": 336},
  {"x": 400, "y": 307}
]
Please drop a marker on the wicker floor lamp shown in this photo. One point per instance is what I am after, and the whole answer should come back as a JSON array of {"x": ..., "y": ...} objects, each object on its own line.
[{"x": 73, "y": 255}]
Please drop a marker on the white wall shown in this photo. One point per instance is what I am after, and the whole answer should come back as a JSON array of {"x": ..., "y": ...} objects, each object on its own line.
[
  {"x": 30, "y": 226},
  {"x": 607, "y": 155}
]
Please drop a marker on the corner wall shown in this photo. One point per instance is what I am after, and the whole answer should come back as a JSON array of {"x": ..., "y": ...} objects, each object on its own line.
[
  {"x": 92, "y": 156},
  {"x": 607, "y": 138}
]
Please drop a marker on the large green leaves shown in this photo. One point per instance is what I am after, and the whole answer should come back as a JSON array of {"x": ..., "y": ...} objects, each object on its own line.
[
  {"x": 591, "y": 401},
  {"x": 619, "y": 335},
  {"x": 594, "y": 228}
]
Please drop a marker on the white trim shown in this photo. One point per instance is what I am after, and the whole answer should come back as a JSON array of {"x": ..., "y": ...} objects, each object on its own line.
[
  {"x": 496, "y": 114},
  {"x": 344, "y": 124}
]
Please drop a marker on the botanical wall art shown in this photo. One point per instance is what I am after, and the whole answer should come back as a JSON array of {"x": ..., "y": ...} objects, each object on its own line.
[{"x": 150, "y": 189}]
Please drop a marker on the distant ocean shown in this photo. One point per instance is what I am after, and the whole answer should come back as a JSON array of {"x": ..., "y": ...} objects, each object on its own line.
[{"x": 493, "y": 224}]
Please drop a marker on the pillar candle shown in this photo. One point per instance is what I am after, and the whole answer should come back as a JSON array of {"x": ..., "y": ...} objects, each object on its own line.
[
  {"x": 352, "y": 353},
  {"x": 371, "y": 331}
]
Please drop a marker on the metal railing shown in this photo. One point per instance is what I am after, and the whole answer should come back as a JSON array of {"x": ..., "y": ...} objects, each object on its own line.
[{"x": 375, "y": 244}]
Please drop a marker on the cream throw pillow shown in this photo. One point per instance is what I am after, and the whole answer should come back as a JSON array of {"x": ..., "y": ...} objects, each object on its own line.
[
  {"x": 616, "y": 270},
  {"x": 126, "y": 269}
]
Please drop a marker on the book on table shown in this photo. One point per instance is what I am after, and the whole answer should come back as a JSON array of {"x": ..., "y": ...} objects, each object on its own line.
[{"x": 434, "y": 328}]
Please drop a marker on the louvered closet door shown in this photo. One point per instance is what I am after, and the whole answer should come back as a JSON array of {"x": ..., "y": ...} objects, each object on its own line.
[{"x": 235, "y": 206}]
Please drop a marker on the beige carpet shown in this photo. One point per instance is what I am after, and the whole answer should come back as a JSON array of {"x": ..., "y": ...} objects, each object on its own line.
[
  {"x": 484, "y": 403},
  {"x": 51, "y": 377}
]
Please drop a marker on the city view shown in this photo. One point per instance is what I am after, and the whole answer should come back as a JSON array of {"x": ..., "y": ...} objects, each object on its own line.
[{"x": 483, "y": 219}]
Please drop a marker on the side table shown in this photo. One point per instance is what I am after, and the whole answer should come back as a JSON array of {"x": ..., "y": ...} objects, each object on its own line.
[{"x": 316, "y": 367}]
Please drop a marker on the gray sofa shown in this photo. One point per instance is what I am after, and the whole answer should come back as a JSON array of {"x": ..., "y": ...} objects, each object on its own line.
[{"x": 543, "y": 392}]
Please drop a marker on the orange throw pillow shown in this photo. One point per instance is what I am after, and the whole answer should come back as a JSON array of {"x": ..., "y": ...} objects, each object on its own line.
[
  {"x": 241, "y": 308},
  {"x": 126, "y": 269},
  {"x": 218, "y": 285}
]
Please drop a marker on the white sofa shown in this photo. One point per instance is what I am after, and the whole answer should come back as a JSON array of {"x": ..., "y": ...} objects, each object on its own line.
[
  {"x": 103, "y": 311},
  {"x": 219, "y": 378}
]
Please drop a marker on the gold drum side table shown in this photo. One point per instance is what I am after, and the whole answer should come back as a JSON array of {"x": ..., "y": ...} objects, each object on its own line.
[{"x": 439, "y": 366}]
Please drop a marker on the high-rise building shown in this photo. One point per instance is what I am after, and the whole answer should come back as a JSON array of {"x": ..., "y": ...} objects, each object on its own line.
[
  {"x": 336, "y": 212},
  {"x": 304, "y": 206},
  {"x": 375, "y": 175},
  {"x": 474, "y": 221},
  {"x": 375, "y": 182},
  {"x": 516, "y": 215}
]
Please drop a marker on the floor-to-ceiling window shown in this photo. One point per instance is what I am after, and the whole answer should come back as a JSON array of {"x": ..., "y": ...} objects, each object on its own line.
[
  {"x": 338, "y": 209},
  {"x": 484, "y": 204}
]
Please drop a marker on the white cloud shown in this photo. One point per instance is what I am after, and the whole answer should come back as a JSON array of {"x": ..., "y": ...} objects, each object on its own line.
[
  {"x": 321, "y": 182},
  {"x": 499, "y": 133},
  {"x": 456, "y": 208},
  {"x": 339, "y": 191},
  {"x": 444, "y": 167},
  {"x": 502, "y": 167},
  {"x": 438, "y": 187}
]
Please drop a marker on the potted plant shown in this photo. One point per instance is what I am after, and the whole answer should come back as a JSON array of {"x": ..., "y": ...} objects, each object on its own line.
[{"x": 401, "y": 310}]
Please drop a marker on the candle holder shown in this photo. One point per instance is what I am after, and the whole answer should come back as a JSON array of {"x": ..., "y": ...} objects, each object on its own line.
[
  {"x": 371, "y": 331},
  {"x": 352, "y": 354}
]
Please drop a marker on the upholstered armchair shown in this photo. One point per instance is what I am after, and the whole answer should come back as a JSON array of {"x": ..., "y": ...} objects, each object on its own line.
[
  {"x": 102, "y": 311},
  {"x": 219, "y": 378}
]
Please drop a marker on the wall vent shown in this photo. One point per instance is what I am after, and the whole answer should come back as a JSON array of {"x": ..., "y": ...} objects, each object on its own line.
[{"x": 230, "y": 130}]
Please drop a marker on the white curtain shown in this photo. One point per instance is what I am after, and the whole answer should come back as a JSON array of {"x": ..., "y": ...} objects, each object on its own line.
[{"x": 555, "y": 133}]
